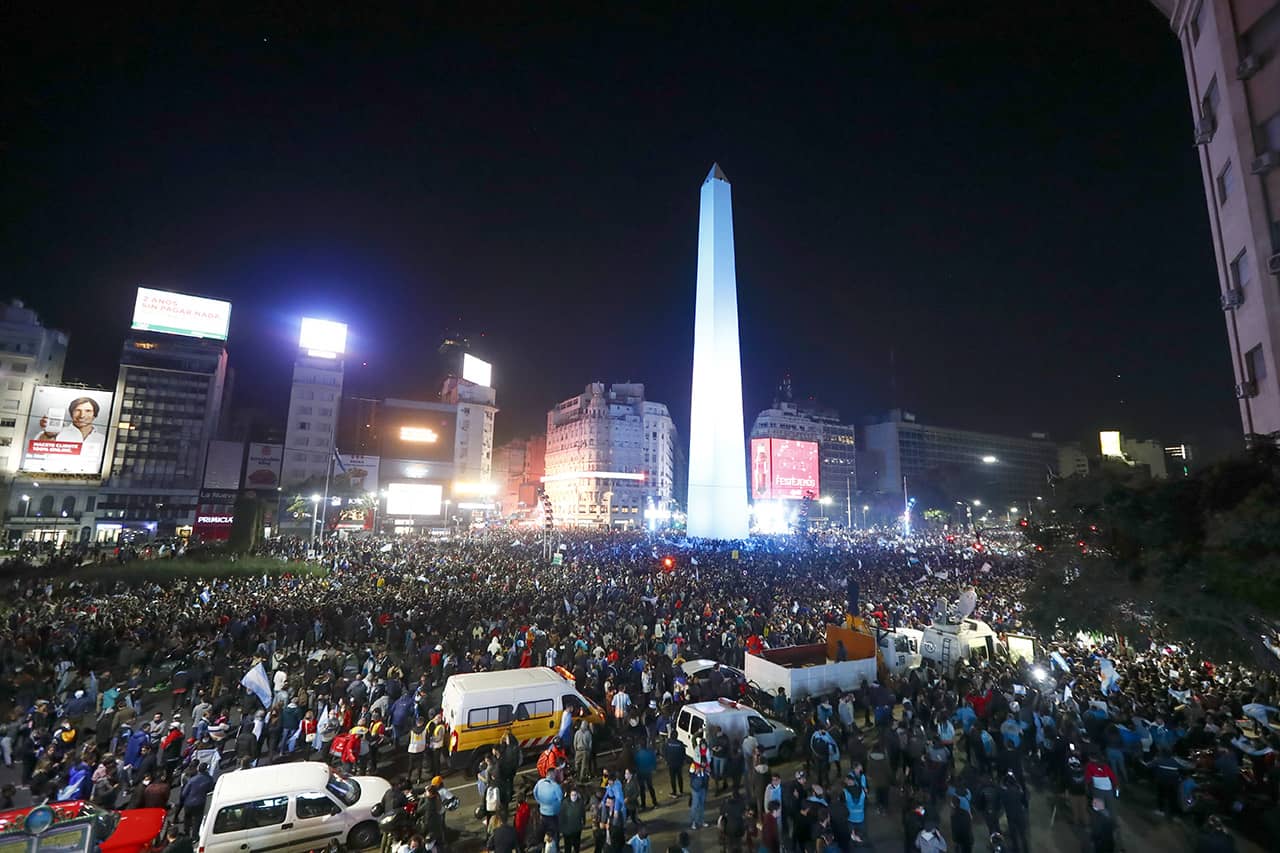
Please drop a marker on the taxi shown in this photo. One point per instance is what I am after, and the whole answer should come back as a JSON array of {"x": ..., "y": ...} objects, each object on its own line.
[{"x": 78, "y": 826}]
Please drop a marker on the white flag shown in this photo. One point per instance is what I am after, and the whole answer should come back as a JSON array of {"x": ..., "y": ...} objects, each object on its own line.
[{"x": 256, "y": 682}]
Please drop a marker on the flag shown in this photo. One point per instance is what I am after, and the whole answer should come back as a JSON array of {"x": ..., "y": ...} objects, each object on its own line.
[
  {"x": 256, "y": 682},
  {"x": 568, "y": 608},
  {"x": 1060, "y": 661},
  {"x": 338, "y": 460},
  {"x": 205, "y": 595}
]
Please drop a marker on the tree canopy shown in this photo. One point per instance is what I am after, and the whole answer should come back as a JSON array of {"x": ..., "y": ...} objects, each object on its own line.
[{"x": 1191, "y": 559}]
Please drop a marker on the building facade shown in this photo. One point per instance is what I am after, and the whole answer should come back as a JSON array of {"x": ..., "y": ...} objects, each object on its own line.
[
  {"x": 997, "y": 470},
  {"x": 837, "y": 445},
  {"x": 518, "y": 469},
  {"x": 610, "y": 457},
  {"x": 473, "y": 441},
  {"x": 30, "y": 355},
  {"x": 311, "y": 429},
  {"x": 1231, "y": 50},
  {"x": 168, "y": 406}
]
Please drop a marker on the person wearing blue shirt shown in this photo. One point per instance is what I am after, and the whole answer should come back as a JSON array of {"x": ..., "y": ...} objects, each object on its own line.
[
  {"x": 855, "y": 804},
  {"x": 549, "y": 795},
  {"x": 698, "y": 783}
]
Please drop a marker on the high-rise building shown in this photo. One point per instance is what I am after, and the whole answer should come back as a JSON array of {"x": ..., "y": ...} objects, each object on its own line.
[
  {"x": 168, "y": 401},
  {"x": 998, "y": 470},
  {"x": 610, "y": 457},
  {"x": 1231, "y": 49},
  {"x": 315, "y": 398},
  {"x": 30, "y": 355},
  {"x": 837, "y": 470},
  {"x": 717, "y": 476},
  {"x": 1134, "y": 452},
  {"x": 473, "y": 442},
  {"x": 1072, "y": 460}
]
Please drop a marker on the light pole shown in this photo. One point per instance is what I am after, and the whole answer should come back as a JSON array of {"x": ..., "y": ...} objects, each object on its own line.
[
  {"x": 608, "y": 510},
  {"x": 26, "y": 505},
  {"x": 865, "y": 508},
  {"x": 447, "y": 519},
  {"x": 1009, "y": 516},
  {"x": 848, "y": 501},
  {"x": 824, "y": 502},
  {"x": 315, "y": 515}
]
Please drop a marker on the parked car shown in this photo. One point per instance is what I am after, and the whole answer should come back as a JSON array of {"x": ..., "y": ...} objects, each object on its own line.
[{"x": 78, "y": 826}]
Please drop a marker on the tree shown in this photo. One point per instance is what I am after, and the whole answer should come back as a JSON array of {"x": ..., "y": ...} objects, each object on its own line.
[
  {"x": 1186, "y": 559},
  {"x": 937, "y": 517},
  {"x": 247, "y": 526}
]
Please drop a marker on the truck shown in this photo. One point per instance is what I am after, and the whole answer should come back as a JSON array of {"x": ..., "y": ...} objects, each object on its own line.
[
  {"x": 814, "y": 669},
  {"x": 949, "y": 643}
]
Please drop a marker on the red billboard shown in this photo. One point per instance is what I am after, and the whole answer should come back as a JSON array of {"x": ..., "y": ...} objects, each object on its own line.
[{"x": 783, "y": 469}]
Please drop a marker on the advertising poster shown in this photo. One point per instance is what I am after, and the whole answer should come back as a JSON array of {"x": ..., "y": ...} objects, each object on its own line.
[
  {"x": 66, "y": 431},
  {"x": 263, "y": 469},
  {"x": 794, "y": 465},
  {"x": 222, "y": 465},
  {"x": 181, "y": 314},
  {"x": 761, "y": 473},
  {"x": 414, "y": 499},
  {"x": 361, "y": 470}
]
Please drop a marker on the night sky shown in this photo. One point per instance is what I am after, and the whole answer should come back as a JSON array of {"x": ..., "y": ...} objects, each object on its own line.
[{"x": 1005, "y": 196}]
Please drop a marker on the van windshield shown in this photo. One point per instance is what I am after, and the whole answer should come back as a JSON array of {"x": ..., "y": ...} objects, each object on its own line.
[{"x": 346, "y": 790}]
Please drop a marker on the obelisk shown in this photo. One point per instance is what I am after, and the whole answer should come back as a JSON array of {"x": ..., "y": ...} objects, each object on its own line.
[{"x": 717, "y": 454}]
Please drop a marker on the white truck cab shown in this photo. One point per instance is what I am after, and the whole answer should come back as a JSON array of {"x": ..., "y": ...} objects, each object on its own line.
[
  {"x": 737, "y": 721},
  {"x": 900, "y": 649},
  {"x": 949, "y": 643}
]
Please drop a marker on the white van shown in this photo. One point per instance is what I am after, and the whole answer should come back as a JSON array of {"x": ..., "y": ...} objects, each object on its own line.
[
  {"x": 290, "y": 808},
  {"x": 735, "y": 720}
]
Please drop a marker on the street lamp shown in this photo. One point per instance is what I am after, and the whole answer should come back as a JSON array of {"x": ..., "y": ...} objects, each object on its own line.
[
  {"x": 1013, "y": 510},
  {"x": 315, "y": 514},
  {"x": 977, "y": 502},
  {"x": 824, "y": 502},
  {"x": 26, "y": 505},
  {"x": 865, "y": 507},
  {"x": 989, "y": 460}
]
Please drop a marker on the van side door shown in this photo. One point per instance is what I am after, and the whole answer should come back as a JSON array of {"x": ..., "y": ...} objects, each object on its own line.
[{"x": 316, "y": 820}]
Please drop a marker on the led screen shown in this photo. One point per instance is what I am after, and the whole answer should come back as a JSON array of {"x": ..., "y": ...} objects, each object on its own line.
[
  {"x": 476, "y": 370},
  {"x": 414, "y": 499},
  {"x": 323, "y": 338},
  {"x": 181, "y": 314},
  {"x": 66, "y": 431},
  {"x": 783, "y": 469}
]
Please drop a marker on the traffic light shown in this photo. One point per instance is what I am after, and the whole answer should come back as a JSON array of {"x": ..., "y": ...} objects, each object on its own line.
[{"x": 1023, "y": 523}]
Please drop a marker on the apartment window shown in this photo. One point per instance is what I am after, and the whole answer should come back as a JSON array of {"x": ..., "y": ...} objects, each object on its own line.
[
  {"x": 1226, "y": 183},
  {"x": 15, "y": 384},
  {"x": 6, "y": 442},
  {"x": 8, "y": 422},
  {"x": 9, "y": 405},
  {"x": 1209, "y": 104},
  {"x": 304, "y": 410},
  {"x": 90, "y": 503},
  {"x": 1241, "y": 274},
  {"x": 304, "y": 424},
  {"x": 18, "y": 367},
  {"x": 1255, "y": 365}
]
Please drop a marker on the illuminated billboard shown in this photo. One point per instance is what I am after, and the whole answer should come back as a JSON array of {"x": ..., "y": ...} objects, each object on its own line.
[
  {"x": 783, "y": 469},
  {"x": 181, "y": 314},
  {"x": 1110, "y": 442},
  {"x": 263, "y": 470},
  {"x": 419, "y": 432},
  {"x": 323, "y": 338},
  {"x": 362, "y": 471},
  {"x": 476, "y": 370},
  {"x": 66, "y": 432},
  {"x": 414, "y": 499}
]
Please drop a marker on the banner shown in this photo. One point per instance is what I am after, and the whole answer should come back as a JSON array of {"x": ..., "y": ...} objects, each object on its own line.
[
  {"x": 257, "y": 683},
  {"x": 222, "y": 465}
]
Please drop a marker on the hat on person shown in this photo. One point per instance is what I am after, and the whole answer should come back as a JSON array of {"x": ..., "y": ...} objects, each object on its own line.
[{"x": 437, "y": 781}]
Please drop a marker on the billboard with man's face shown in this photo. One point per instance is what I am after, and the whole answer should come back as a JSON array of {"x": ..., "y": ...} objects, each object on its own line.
[{"x": 66, "y": 431}]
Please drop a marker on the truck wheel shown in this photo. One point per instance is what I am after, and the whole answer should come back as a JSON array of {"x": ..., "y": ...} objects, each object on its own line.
[
  {"x": 364, "y": 836},
  {"x": 786, "y": 751}
]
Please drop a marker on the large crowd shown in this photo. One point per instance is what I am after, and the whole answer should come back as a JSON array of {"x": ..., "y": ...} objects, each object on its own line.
[{"x": 130, "y": 694}]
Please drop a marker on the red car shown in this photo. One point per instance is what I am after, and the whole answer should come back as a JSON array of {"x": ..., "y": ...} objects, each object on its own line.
[{"x": 78, "y": 827}]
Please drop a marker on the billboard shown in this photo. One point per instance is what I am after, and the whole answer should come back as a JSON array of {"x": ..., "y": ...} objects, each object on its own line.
[
  {"x": 66, "y": 431},
  {"x": 222, "y": 465},
  {"x": 783, "y": 469},
  {"x": 215, "y": 514},
  {"x": 263, "y": 470},
  {"x": 419, "y": 434},
  {"x": 361, "y": 470},
  {"x": 181, "y": 314},
  {"x": 414, "y": 499},
  {"x": 323, "y": 338},
  {"x": 476, "y": 370}
]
